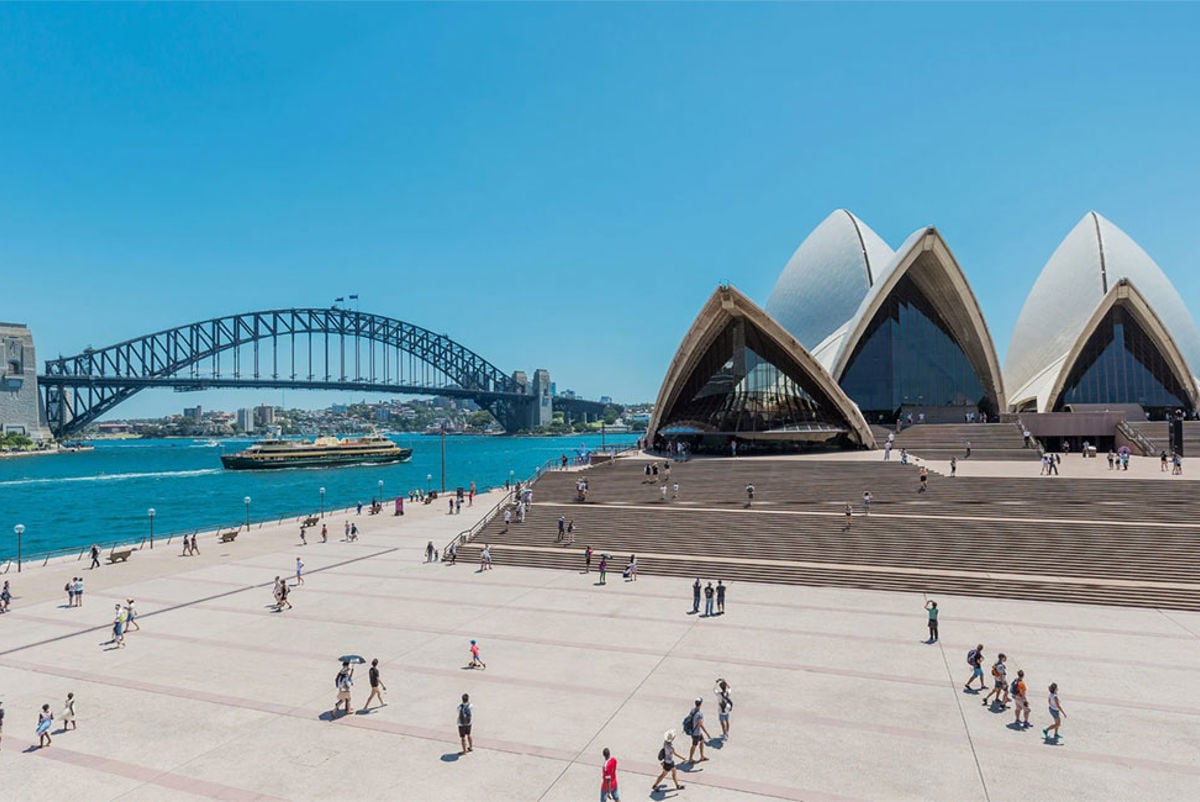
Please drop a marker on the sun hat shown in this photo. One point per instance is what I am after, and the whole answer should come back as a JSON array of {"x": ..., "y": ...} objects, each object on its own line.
[{"x": 669, "y": 735}]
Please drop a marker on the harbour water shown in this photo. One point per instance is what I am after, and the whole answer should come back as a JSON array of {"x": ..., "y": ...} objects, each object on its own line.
[{"x": 72, "y": 500}]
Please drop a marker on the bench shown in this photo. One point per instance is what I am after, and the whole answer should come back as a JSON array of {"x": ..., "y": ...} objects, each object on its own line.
[
  {"x": 228, "y": 537},
  {"x": 311, "y": 520},
  {"x": 119, "y": 556}
]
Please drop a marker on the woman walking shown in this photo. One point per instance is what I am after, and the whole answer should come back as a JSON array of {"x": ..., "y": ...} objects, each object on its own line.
[
  {"x": 45, "y": 719},
  {"x": 68, "y": 714},
  {"x": 1056, "y": 712},
  {"x": 667, "y": 757}
]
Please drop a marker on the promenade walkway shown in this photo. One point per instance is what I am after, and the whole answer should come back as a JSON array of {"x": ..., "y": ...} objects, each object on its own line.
[{"x": 837, "y": 696}]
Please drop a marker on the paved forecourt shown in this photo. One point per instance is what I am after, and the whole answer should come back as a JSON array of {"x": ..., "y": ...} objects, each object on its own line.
[{"x": 836, "y": 694}]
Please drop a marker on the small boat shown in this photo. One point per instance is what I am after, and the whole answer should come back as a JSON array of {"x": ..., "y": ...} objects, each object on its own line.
[
  {"x": 323, "y": 452},
  {"x": 210, "y": 444}
]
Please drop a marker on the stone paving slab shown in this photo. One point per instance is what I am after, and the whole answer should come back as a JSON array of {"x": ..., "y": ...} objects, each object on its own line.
[{"x": 838, "y": 697}]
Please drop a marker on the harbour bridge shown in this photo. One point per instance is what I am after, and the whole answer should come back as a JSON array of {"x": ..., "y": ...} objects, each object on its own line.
[{"x": 315, "y": 349}]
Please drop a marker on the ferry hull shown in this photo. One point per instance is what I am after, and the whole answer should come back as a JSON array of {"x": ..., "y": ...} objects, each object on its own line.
[{"x": 237, "y": 462}]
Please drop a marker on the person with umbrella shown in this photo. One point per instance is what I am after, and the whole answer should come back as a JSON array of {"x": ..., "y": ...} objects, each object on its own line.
[{"x": 344, "y": 681}]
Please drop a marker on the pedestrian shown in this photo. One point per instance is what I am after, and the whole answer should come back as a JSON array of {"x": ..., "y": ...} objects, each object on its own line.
[
  {"x": 466, "y": 712},
  {"x": 195, "y": 546},
  {"x": 68, "y": 714},
  {"x": 696, "y": 596},
  {"x": 562, "y": 528},
  {"x": 571, "y": 532},
  {"x": 118, "y": 629},
  {"x": 346, "y": 530},
  {"x": 344, "y": 681},
  {"x": 709, "y": 593},
  {"x": 507, "y": 519},
  {"x": 78, "y": 591},
  {"x": 324, "y": 533},
  {"x": 975, "y": 661},
  {"x": 353, "y": 532},
  {"x": 303, "y": 539},
  {"x": 1, "y": 721},
  {"x": 475, "y": 661},
  {"x": 924, "y": 477},
  {"x": 693, "y": 725},
  {"x": 429, "y": 552},
  {"x": 450, "y": 509},
  {"x": 887, "y": 451},
  {"x": 968, "y": 454},
  {"x": 608, "y": 778},
  {"x": 454, "y": 553},
  {"x": 866, "y": 503},
  {"x": 377, "y": 686},
  {"x": 587, "y": 559},
  {"x": 1112, "y": 458},
  {"x": 603, "y": 566},
  {"x": 1020, "y": 701},
  {"x": 667, "y": 757},
  {"x": 724, "y": 706},
  {"x": 131, "y": 617},
  {"x": 904, "y": 456},
  {"x": 70, "y": 589},
  {"x": 675, "y": 491},
  {"x": 471, "y": 496},
  {"x": 953, "y": 467},
  {"x": 45, "y": 720},
  {"x": 932, "y": 608},
  {"x": 1056, "y": 712},
  {"x": 485, "y": 558},
  {"x": 999, "y": 682},
  {"x": 458, "y": 505},
  {"x": 663, "y": 490},
  {"x": 299, "y": 572},
  {"x": 187, "y": 547},
  {"x": 631, "y": 569},
  {"x": 720, "y": 597},
  {"x": 749, "y": 494},
  {"x": 95, "y": 556},
  {"x": 5, "y": 597},
  {"x": 849, "y": 517},
  {"x": 359, "y": 507}
]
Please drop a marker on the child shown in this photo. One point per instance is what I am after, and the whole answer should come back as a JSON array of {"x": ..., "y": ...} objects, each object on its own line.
[{"x": 476, "y": 662}]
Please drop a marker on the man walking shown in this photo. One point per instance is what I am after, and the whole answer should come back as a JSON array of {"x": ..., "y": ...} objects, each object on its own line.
[
  {"x": 95, "y": 556},
  {"x": 866, "y": 503},
  {"x": 749, "y": 495},
  {"x": 608, "y": 778},
  {"x": 299, "y": 572},
  {"x": 465, "y": 713},
  {"x": 1020, "y": 701},
  {"x": 999, "y": 682},
  {"x": 849, "y": 518},
  {"x": 720, "y": 597},
  {"x": 562, "y": 528},
  {"x": 724, "y": 707},
  {"x": 693, "y": 725},
  {"x": 708, "y": 600},
  {"x": 696, "y": 596},
  {"x": 377, "y": 686},
  {"x": 429, "y": 552},
  {"x": 975, "y": 661},
  {"x": 924, "y": 476}
]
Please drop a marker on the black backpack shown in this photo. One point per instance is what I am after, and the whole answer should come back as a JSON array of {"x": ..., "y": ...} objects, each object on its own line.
[
  {"x": 464, "y": 715},
  {"x": 662, "y": 754},
  {"x": 337, "y": 680},
  {"x": 689, "y": 724}
]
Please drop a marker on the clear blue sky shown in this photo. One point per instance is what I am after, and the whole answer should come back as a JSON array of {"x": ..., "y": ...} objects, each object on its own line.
[{"x": 562, "y": 186}]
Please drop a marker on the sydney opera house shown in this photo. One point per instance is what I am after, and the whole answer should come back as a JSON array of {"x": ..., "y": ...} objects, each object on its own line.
[{"x": 856, "y": 335}]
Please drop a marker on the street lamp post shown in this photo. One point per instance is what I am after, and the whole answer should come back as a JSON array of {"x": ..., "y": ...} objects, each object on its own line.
[
  {"x": 20, "y": 530},
  {"x": 381, "y": 491},
  {"x": 428, "y": 483},
  {"x": 150, "y": 512},
  {"x": 443, "y": 458},
  {"x": 322, "y": 502},
  {"x": 247, "y": 501},
  {"x": 511, "y": 480}
]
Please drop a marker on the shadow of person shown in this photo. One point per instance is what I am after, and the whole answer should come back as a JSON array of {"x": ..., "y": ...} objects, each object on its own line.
[{"x": 451, "y": 757}]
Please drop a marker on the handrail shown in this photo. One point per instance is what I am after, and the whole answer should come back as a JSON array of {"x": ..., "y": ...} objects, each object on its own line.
[{"x": 1131, "y": 433}]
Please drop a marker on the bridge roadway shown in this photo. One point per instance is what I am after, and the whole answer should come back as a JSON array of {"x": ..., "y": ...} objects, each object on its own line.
[{"x": 837, "y": 697}]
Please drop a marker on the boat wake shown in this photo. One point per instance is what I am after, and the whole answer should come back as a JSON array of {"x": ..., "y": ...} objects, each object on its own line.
[{"x": 112, "y": 477}]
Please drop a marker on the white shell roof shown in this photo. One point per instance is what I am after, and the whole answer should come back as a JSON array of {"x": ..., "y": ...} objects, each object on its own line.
[
  {"x": 827, "y": 278},
  {"x": 1086, "y": 264}
]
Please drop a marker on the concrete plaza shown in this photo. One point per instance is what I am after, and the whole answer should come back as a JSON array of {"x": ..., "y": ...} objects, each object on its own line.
[{"x": 837, "y": 696}]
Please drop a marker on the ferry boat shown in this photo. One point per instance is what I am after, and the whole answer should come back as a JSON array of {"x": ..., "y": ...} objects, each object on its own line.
[{"x": 323, "y": 452}]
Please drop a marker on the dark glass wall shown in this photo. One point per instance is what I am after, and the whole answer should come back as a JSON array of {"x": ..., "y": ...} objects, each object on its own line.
[
  {"x": 1121, "y": 365},
  {"x": 908, "y": 356},
  {"x": 745, "y": 383}
]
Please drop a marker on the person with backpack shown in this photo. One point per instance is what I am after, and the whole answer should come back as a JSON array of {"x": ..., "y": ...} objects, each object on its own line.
[
  {"x": 1000, "y": 682},
  {"x": 344, "y": 681},
  {"x": 667, "y": 757},
  {"x": 693, "y": 725},
  {"x": 1020, "y": 701},
  {"x": 932, "y": 608},
  {"x": 1056, "y": 712},
  {"x": 724, "y": 707},
  {"x": 975, "y": 661},
  {"x": 465, "y": 713}
]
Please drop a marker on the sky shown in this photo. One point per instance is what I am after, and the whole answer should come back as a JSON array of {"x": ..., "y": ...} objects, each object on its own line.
[{"x": 563, "y": 186}]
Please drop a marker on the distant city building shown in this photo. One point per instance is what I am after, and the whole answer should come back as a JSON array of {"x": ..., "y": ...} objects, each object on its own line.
[
  {"x": 264, "y": 416},
  {"x": 193, "y": 413},
  {"x": 383, "y": 413},
  {"x": 338, "y": 409},
  {"x": 245, "y": 419},
  {"x": 554, "y": 389},
  {"x": 114, "y": 428}
]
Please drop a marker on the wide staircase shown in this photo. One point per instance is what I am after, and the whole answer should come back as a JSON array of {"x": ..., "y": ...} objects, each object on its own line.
[
  {"x": 1157, "y": 432},
  {"x": 1106, "y": 541},
  {"x": 941, "y": 441}
]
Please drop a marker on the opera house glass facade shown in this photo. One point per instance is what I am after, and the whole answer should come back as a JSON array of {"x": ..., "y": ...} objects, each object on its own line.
[
  {"x": 1121, "y": 364},
  {"x": 909, "y": 357}
]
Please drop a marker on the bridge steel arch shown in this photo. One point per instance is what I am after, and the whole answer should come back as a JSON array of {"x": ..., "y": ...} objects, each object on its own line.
[{"x": 79, "y": 389}]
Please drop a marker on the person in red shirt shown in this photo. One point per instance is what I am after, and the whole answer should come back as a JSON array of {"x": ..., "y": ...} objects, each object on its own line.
[{"x": 608, "y": 785}]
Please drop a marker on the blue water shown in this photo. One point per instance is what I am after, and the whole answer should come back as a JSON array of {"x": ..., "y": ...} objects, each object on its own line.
[{"x": 72, "y": 500}]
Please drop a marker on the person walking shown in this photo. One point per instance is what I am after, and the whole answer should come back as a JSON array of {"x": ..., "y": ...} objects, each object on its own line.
[
  {"x": 485, "y": 558},
  {"x": 953, "y": 467},
  {"x": 720, "y": 597},
  {"x": 131, "y": 617},
  {"x": 299, "y": 572},
  {"x": 344, "y": 681},
  {"x": 475, "y": 661},
  {"x": 377, "y": 686},
  {"x": 466, "y": 712},
  {"x": 45, "y": 720},
  {"x": 79, "y": 591},
  {"x": 668, "y": 757},
  {"x": 975, "y": 661},
  {"x": 1056, "y": 712},
  {"x": 749, "y": 495},
  {"x": 507, "y": 520},
  {"x": 708, "y": 600},
  {"x": 454, "y": 552},
  {"x": 849, "y": 518},
  {"x": 693, "y": 725},
  {"x": 724, "y": 706},
  {"x": 324, "y": 533},
  {"x": 429, "y": 552},
  {"x": 68, "y": 714},
  {"x": 587, "y": 559},
  {"x": 603, "y": 569},
  {"x": 1, "y": 721},
  {"x": 562, "y": 528},
  {"x": 95, "y": 556},
  {"x": 675, "y": 491},
  {"x": 968, "y": 454},
  {"x": 999, "y": 682},
  {"x": 932, "y": 608},
  {"x": 70, "y": 589},
  {"x": 195, "y": 547},
  {"x": 118, "y": 628},
  {"x": 866, "y": 503},
  {"x": 608, "y": 778},
  {"x": 1020, "y": 701},
  {"x": 346, "y": 530},
  {"x": 924, "y": 477},
  {"x": 696, "y": 596},
  {"x": 5, "y": 597},
  {"x": 303, "y": 539}
]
